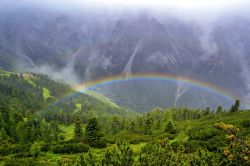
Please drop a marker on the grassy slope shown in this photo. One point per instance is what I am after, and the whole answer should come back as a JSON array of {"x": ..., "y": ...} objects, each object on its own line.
[
  {"x": 67, "y": 131},
  {"x": 101, "y": 98},
  {"x": 28, "y": 77},
  {"x": 46, "y": 93},
  {"x": 3, "y": 72}
]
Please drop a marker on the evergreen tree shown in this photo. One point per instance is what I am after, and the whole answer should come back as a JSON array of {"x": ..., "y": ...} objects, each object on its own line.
[
  {"x": 236, "y": 106},
  {"x": 207, "y": 111},
  {"x": 119, "y": 154},
  {"x": 170, "y": 127},
  {"x": 3, "y": 134},
  {"x": 132, "y": 126},
  {"x": 126, "y": 153},
  {"x": 148, "y": 125},
  {"x": 219, "y": 110},
  {"x": 78, "y": 129},
  {"x": 92, "y": 133},
  {"x": 115, "y": 125}
]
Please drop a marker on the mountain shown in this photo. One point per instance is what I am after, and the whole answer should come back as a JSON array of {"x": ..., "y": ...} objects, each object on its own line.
[
  {"x": 82, "y": 47},
  {"x": 40, "y": 96}
]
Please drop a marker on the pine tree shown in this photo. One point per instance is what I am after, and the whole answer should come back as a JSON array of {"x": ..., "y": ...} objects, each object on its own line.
[
  {"x": 132, "y": 126},
  {"x": 170, "y": 127},
  {"x": 219, "y": 110},
  {"x": 126, "y": 153},
  {"x": 115, "y": 125},
  {"x": 236, "y": 106},
  {"x": 207, "y": 111},
  {"x": 3, "y": 134},
  {"x": 148, "y": 125},
  {"x": 119, "y": 154},
  {"x": 92, "y": 133},
  {"x": 78, "y": 129}
]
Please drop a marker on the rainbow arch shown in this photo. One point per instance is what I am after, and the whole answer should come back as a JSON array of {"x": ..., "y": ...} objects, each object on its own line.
[{"x": 153, "y": 76}]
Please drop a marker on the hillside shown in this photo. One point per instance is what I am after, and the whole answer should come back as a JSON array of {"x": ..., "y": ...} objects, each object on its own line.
[
  {"x": 36, "y": 93},
  {"x": 124, "y": 83},
  {"x": 45, "y": 122}
]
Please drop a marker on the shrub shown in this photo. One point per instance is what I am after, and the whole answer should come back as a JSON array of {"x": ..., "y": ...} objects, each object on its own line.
[
  {"x": 13, "y": 149},
  {"x": 246, "y": 124},
  {"x": 70, "y": 148}
]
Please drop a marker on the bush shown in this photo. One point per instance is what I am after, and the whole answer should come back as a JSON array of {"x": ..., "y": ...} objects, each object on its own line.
[
  {"x": 102, "y": 143},
  {"x": 203, "y": 134},
  {"x": 13, "y": 149},
  {"x": 246, "y": 124},
  {"x": 191, "y": 146},
  {"x": 27, "y": 162},
  {"x": 46, "y": 147},
  {"x": 215, "y": 143},
  {"x": 23, "y": 155},
  {"x": 70, "y": 148}
]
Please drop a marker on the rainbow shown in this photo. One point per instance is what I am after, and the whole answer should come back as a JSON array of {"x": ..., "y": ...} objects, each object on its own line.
[{"x": 153, "y": 76}]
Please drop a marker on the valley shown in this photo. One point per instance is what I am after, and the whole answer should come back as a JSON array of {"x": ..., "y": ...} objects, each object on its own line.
[
  {"x": 124, "y": 83},
  {"x": 45, "y": 122}
]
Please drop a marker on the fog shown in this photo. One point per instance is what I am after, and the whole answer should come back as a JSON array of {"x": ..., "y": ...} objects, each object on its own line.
[
  {"x": 95, "y": 20},
  {"x": 198, "y": 10},
  {"x": 188, "y": 6}
]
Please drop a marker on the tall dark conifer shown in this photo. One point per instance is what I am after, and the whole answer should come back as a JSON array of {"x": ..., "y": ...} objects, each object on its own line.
[
  {"x": 236, "y": 106},
  {"x": 92, "y": 133},
  {"x": 78, "y": 129}
]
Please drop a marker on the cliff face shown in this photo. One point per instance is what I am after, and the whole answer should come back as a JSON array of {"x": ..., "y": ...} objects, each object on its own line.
[{"x": 90, "y": 47}]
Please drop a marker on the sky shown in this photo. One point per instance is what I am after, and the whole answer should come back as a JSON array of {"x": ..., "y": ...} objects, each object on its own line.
[
  {"x": 185, "y": 4},
  {"x": 181, "y": 4}
]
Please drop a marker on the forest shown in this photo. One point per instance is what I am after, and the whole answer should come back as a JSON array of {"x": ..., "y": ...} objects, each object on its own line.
[{"x": 45, "y": 122}]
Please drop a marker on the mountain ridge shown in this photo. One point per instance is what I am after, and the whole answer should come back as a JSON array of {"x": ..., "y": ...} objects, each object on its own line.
[{"x": 72, "y": 48}]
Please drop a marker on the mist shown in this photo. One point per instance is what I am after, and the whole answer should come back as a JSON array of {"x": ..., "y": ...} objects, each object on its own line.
[{"x": 83, "y": 32}]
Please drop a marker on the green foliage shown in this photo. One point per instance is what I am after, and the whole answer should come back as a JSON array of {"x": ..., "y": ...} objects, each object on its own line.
[
  {"x": 219, "y": 110},
  {"x": 6, "y": 149},
  {"x": 90, "y": 159},
  {"x": 158, "y": 153},
  {"x": 161, "y": 153},
  {"x": 92, "y": 132},
  {"x": 246, "y": 123},
  {"x": 34, "y": 131},
  {"x": 69, "y": 148},
  {"x": 170, "y": 127},
  {"x": 236, "y": 106},
  {"x": 46, "y": 93},
  {"x": 78, "y": 130},
  {"x": 148, "y": 125},
  {"x": 119, "y": 154}
]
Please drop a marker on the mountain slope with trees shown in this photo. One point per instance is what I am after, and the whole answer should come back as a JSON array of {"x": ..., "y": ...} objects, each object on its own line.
[{"x": 61, "y": 129}]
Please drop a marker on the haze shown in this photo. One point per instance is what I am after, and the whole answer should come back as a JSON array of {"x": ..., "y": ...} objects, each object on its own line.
[{"x": 181, "y": 4}]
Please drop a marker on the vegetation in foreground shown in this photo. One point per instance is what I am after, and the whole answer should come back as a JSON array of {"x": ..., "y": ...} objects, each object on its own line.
[{"x": 82, "y": 130}]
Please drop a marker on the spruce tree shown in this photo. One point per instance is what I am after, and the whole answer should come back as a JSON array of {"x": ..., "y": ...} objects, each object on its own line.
[
  {"x": 147, "y": 125},
  {"x": 236, "y": 106},
  {"x": 92, "y": 133},
  {"x": 219, "y": 110},
  {"x": 115, "y": 124},
  {"x": 170, "y": 127},
  {"x": 78, "y": 129}
]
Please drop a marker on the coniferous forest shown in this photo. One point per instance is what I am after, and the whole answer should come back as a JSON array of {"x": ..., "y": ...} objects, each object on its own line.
[
  {"x": 124, "y": 82},
  {"x": 40, "y": 126}
]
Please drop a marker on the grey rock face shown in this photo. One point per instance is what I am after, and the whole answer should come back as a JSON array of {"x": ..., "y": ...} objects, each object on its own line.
[{"x": 92, "y": 47}]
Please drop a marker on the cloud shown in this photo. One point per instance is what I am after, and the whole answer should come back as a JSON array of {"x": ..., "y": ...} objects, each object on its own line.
[
  {"x": 118, "y": 4},
  {"x": 67, "y": 73}
]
